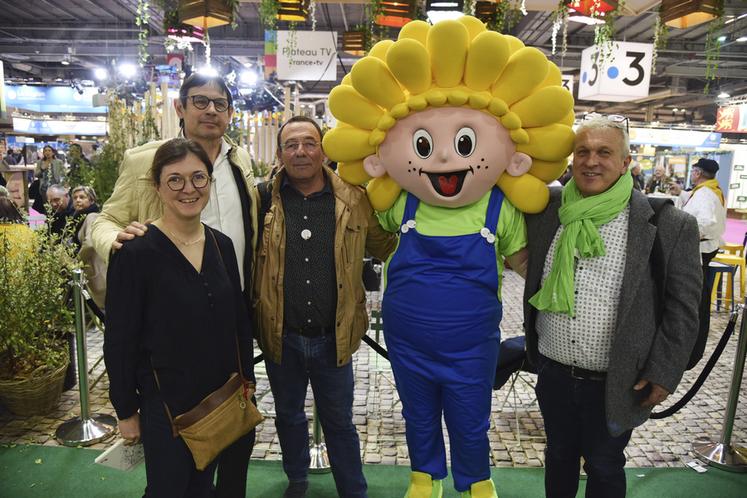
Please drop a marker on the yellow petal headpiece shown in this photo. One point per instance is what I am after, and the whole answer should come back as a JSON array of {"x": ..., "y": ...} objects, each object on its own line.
[{"x": 454, "y": 63}]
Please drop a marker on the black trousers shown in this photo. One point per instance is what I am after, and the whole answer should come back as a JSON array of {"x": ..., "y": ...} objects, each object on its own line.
[
  {"x": 232, "y": 467},
  {"x": 169, "y": 467}
]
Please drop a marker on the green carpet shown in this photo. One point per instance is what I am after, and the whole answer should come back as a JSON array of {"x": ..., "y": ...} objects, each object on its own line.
[{"x": 59, "y": 472}]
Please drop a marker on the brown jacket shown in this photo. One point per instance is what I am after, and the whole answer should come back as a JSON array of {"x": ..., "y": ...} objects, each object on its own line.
[{"x": 357, "y": 231}]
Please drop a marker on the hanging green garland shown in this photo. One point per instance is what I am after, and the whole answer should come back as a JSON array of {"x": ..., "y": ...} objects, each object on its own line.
[
  {"x": 713, "y": 46},
  {"x": 142, "y": 18}
]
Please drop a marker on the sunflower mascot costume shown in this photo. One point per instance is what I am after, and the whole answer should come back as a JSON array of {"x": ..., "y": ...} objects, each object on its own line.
[{"x": 456, "y": 131}]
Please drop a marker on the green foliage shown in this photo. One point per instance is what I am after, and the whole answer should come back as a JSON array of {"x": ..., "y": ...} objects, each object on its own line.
[
  {"x": 604, "y": 34},
  {"x": 127, "y": 128},
  {"x": 260, "y": 169},
  {"x": 268, "y": 12},
  {"x": 33, "y": 285},
  {"x": 560, "y": 21},
  {"x": 507, "y": 15},
  {"x": 661, "y": 33},
  {"x": 713, "y": 47},
  {"x": 141, "y": 21}
]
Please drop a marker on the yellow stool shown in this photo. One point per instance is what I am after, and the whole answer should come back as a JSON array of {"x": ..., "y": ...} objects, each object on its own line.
[
  {"x": 720, "y": 269},
  {"x": 734, "y": 255}
]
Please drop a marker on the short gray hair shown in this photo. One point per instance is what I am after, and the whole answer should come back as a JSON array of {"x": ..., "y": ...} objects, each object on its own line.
[
  {"x": 599, "y": 122},
  {"x": 58, "y": 188}
]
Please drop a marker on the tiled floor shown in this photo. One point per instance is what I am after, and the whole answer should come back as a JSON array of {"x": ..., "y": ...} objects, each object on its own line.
[{"x": 658, "y": 443}]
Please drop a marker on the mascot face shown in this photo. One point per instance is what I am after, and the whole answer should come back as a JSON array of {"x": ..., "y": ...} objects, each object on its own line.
[{"x": 449, "y": 156}]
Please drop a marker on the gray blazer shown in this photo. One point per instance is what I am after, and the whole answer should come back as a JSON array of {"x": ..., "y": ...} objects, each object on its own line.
[{"x": 640, "y": 349}]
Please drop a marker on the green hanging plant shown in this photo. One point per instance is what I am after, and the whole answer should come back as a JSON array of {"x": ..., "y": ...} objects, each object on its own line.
[
  {"x": 661, "y": 33},
  {"x": 604, "y": 34},
  {"x": 560, "y": 21},
  {"x": 268, "y": 14},
  {"x": 713, "y": 46},
  {"x": 234, "y": 6},
  {"x": 469, "y": 7},
  {"x": 507, "y": 15},
  {"x": 142, "y": 18}
]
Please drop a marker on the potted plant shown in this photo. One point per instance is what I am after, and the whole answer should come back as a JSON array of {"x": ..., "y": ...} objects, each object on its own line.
[{"x": 35, "y": 319}]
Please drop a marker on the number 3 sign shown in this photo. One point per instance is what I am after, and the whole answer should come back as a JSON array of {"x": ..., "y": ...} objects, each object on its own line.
[{"x": 625, "y": 76}]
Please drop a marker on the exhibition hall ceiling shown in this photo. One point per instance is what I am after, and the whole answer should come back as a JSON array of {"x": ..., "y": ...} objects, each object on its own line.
[{"x": 36, "y": 36}]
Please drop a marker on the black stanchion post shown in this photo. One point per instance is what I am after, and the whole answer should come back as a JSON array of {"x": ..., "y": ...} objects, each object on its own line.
[
  {"x": 723, "y": 454},
  {"x": 319, "y": 460},
  {"x": 87, "y": 429}
]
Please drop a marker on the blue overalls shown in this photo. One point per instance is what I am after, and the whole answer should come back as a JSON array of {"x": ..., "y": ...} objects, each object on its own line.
[{"x": 441, "y": 323}]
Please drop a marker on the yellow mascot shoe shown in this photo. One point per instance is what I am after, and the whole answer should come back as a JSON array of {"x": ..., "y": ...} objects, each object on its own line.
[
  {"x": 422, "y": 485},
  {"x": 481, "y": 489}
]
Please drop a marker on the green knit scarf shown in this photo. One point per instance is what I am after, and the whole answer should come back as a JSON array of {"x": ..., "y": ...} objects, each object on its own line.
[{"x": 581, "y": 217}]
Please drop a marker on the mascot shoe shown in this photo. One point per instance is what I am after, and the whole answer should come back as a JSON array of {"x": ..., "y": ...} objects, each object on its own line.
[
  {"x": 481, "y": 489},
  {"x": 422, "y": 485}
]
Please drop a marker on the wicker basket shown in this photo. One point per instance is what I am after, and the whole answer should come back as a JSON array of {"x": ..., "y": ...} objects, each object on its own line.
[{"x": 38, "y": 394}]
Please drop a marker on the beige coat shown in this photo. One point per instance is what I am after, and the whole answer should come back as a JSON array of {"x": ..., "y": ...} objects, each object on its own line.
[
  {"x": 357, "y": 231},
  {"x": 93, "y": 266},
  {"x": 135, "y": 198}
]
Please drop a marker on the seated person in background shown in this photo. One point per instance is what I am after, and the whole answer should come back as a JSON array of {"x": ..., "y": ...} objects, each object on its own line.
[
  {"x": 639, "y": 181},
  {"x": 175, "y": 309},
  {"x": 659, "y": 182},
  {"x": 62, "y": 208},
  {"x": 86, "y": 212}
]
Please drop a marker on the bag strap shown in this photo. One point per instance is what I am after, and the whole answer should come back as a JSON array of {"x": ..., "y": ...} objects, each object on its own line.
[{"x": 222, "y": 262}]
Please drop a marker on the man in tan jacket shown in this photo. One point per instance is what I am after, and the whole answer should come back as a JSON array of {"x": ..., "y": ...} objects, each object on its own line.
[
  {"x": 205, "y": 108},
  {"x": 310, "y": 303}
]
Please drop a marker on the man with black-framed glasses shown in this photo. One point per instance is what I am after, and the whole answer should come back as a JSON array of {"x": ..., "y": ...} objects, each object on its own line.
[{"x": 205, "y": 108}]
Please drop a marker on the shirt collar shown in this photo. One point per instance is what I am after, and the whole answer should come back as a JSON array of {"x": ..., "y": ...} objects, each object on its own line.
[{"x": 327, "y": 189}]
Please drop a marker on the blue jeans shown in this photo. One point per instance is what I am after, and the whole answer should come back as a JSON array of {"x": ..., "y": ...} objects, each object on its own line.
[
  {"x": 314, "y": 359},
  {"x": 576, "y": 426}
]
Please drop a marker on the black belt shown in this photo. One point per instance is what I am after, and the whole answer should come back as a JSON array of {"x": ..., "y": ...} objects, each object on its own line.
[
  {"x": 310, "y": 331},
  {"x": 577, "y": 372}
]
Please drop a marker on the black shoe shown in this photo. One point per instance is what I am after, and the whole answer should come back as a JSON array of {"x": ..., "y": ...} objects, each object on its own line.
[{"x": 296, "y": 489}]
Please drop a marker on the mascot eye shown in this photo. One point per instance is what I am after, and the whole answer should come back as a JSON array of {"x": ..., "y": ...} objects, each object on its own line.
[
  {"x": 423, "y": 143},
  {"x": 464, "y": 142}
]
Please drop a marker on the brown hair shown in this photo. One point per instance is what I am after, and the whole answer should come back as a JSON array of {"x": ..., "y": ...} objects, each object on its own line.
[{"x": 175, "y": 150}]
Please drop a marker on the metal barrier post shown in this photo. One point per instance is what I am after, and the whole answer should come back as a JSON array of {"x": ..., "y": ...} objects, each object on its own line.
[
  {"x": 319, "y": 460},
  {"x": 723, "y": 454},
  {"x": 87, "y": 429}
]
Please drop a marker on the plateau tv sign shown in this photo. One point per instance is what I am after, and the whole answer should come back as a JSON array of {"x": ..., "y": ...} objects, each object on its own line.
[{"x": 732, "y": 119}]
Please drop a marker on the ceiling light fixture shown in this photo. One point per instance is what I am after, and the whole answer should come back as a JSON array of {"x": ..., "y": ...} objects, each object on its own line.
[
  {"x": 128, "y": 70},
  {"x": 584, "y": 19},
  {"x": 440, "y": 10},
  {"x": 100, "y": 73},
  {"x": 208, "y": 70},
  {"x": 249, "y": 77}
]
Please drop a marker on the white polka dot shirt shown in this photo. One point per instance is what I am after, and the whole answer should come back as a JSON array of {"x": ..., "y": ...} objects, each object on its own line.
[{"x": 585, "y": 340}]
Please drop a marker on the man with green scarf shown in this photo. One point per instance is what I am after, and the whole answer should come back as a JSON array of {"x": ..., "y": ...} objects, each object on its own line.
[{"x": 606, "y": 347}]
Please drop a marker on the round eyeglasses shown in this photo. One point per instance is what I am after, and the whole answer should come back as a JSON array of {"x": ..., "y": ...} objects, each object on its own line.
[
  {"x": 177, "y": 182},
  {"x": 202, "y": 102}
]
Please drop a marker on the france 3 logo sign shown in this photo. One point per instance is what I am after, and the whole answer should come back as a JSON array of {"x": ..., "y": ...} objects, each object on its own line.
[{"x": 624, "y": 76}]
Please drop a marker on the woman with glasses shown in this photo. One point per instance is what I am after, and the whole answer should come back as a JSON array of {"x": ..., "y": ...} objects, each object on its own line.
[{"x": 175, "y": 314}]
